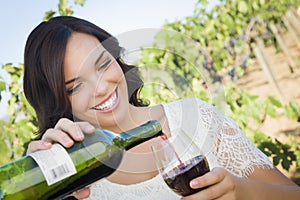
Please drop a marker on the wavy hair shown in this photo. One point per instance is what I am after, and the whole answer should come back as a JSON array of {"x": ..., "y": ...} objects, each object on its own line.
[{"x": 44, "y": 82}]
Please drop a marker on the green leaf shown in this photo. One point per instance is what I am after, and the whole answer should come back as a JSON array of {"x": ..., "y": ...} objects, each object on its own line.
[
  {"x": 80, "y": 2},
  {"x": 295, "y": 107},
  {"x": 262, "y": 2},
  {"x": 289, "y": 112},
  {"x": 275, "y": 101},
  {"x": 64, "y": 8},
  {"x": 5, "y": 152},
  {"x": 272, "y": 147},
  {"x": 255, "y": 5},
  {"x": 203, "y": 2},
  {"x": 229, "y": 21},
  {"x": 286, "y": 164},
  {"x": 242, "y": 7},
  {"x": 2, "y": 86},
  {"x": 276, "y": 160},
  {"x": 292, "y": 155},
  {"x": 270, "y": 110},
  {"x": 292, "y": 110},
  {"x": 9, "y": 68},
  {"x": 48, "y": 15},
  {"x": 261, "y": 137},
  {"x": 298, "y": 157}
]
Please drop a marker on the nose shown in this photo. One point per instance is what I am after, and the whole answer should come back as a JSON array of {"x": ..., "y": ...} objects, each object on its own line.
[{"x": 100, "y": 85}]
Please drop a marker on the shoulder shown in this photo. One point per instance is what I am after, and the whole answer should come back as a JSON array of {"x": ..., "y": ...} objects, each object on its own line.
[
  {"x": 191, "y": 111},
  {"x": 188, "y": 102},
  {"x": 193, "y": 105},
  {"x": 190, "y": 106}
]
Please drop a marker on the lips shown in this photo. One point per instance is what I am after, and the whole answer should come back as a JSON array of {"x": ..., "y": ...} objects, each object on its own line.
[{"x": 108, "y": 104}]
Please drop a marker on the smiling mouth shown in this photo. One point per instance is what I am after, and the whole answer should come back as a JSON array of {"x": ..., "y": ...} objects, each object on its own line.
[{"x": 108, "y": 104}]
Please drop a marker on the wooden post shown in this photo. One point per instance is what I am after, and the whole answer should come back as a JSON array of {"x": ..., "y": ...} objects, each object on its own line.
[
  {"x": 291, "y": 63},
  {"x": 291, "y": 30},
  {"x": 294, "y": 20},
  {"x": 258, "y": 51},
  {"x": 295, "y": 13}
]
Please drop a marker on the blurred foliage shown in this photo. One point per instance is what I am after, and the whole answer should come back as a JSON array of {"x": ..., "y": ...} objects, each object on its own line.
[
  {"x": 21, "y": 123},
  {"x": 214, "y": 41},
  {"x": 188, "y": 54},
  {"x": 64, "y": 8}
]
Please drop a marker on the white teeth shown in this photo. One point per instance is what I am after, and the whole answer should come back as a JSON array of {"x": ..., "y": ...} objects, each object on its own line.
[{"x": 108, "y": 104}]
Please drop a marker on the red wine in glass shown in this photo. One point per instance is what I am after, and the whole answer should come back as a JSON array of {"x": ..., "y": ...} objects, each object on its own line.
[{"x": 178, "y": 179}]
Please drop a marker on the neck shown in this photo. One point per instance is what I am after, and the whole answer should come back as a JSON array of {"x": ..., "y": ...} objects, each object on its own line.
[{"x": 135, "y": 116}]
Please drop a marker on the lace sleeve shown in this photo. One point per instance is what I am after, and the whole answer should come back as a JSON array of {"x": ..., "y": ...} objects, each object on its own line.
[
  {"x": 228, "y": 145},
  {"x": 236, "y": 152},
  {"x": 232, "y": 149}
]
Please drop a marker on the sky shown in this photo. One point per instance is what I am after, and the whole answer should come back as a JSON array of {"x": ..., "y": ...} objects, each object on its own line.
[{"x": 19, "y": 17}]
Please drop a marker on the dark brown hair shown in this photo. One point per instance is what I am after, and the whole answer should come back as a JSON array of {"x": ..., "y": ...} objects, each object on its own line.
[{"x": 44, "y": 83}]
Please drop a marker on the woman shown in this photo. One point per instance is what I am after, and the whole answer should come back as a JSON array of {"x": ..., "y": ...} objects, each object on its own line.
[{"x": 75, "y": 80}]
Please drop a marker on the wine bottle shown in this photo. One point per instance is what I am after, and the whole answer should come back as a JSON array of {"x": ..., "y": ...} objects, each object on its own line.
[{"x": 96, "y": 157}]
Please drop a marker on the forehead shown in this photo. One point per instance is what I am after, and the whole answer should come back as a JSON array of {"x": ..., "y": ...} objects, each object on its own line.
[{"x": 82, "y": 49}]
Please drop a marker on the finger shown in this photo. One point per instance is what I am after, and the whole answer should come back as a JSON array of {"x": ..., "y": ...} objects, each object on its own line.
[
  {"x": 38, "y": 145},
  {"x": 66, "y": 131},
  {"x": 86, "y": 127},
  {"x": 58, "y": 136},
  {"x": 74, "y": 129},
  {"x": 213, "y": 192},
  {"x": 217, "y": 191},
  {"x": 220, "y": 182},
  {"x": 81, "y": 194},
  {"x": 214, "y": 176},
  {"x": 71, "y": 128}
]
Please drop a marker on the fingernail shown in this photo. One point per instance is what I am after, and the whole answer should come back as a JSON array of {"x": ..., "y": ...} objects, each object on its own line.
[
  {"x": 67, "y": 140},
  {"x": 80, "y": 134},
  {"x": 194, "y": 183},
  {"x": 47, "y": 144},
  {"x": 90, "y": 127}
]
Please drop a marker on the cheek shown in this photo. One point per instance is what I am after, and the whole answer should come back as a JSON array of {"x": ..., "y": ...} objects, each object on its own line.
[
  {"x": 120, "y": 77},
  {"x": 79, "y": 103},
  {"x": 115, "y": 72}
]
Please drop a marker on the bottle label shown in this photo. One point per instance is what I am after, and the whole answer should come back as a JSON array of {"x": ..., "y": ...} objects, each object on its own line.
[{"x": 55, "y": 163}]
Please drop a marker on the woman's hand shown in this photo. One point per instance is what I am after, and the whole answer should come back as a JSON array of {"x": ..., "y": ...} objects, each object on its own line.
[
  {"x": 65, "y": 132},
  {"x": 221, "y": 185}
]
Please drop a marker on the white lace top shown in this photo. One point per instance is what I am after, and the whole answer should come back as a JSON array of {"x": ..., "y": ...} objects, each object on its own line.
[{"x": 212, "y": 130}]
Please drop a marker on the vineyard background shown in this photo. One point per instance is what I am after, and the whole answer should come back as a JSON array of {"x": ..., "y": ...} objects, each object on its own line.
[
  {"x": 256, "y": 81},
  {"x": 250, "y": 47}
]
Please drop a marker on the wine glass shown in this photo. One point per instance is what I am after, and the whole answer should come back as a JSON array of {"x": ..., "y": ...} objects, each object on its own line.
[{"x": 179, "y": 160}]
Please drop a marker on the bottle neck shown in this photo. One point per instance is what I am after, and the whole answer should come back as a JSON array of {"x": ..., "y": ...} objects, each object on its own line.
[{"x": 138, "y": 135}]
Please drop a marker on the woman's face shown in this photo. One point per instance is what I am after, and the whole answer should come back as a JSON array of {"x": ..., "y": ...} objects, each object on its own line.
[{"x": 94, "y": 81}]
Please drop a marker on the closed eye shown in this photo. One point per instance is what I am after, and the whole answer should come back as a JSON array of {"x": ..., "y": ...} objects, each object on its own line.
[
  {"x": 74, "y": 89},
  {"x": 105, "y": 64}
]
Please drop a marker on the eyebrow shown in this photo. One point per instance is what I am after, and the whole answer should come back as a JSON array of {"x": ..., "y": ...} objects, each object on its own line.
[
  {"x": 71, "y": 81},
  {"x": 99, "y": 58},
  {"x": 96, "y": 63}
]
